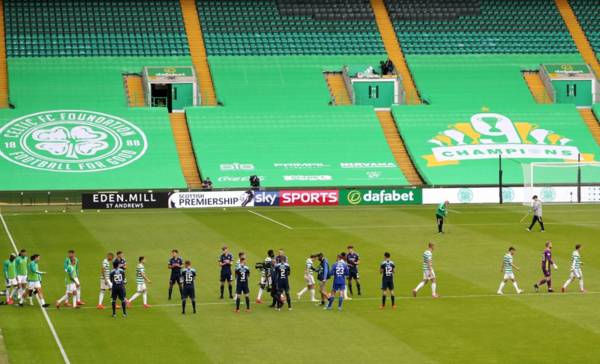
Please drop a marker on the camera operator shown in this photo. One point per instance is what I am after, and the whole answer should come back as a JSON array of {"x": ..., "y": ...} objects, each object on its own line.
[{"x": 266, "y": 280}]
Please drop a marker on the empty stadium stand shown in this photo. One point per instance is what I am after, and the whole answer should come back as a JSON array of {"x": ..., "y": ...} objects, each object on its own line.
[
  {"x": 588, "y": 15},
  {"x": 591, "y": 20},
  {"x": 3, "y": 66},
  {"x": 135, "y": 90},
  {"x": 589, "y": 116},
  {"x": 482, "y": 26},
  {"x": 61, "y": 28},
  {"x": 296, "y": 27}
]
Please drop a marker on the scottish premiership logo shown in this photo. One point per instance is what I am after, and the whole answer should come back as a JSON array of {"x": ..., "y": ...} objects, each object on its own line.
[{"x": 71, "y": 141}]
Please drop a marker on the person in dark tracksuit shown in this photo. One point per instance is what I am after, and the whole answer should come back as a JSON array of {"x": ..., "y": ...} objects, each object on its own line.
[
  {"x": 117, "y": 278},
  {"x": 242, "y": 273},
  {"x": 440, "y": 215},
  {"x": 188, "y": 275}
]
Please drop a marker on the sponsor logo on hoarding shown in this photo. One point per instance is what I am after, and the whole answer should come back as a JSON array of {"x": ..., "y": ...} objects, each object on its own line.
[
  {"x": 381, "y": 197},
  {"x": 368, "y": 165},
  {"x": 237, "y": 178},
  {"x": 308, "y": 178},
  {"x": 465, "y": 195},
  {"x": 266, "y": 198},
  {"x": 124, "y": 200},
  {"x": 300, "y": 165},
  {"x": 373, "y": 175},
  {"x": 548, "y": 194},
  {"x": 236, "y": 167},
  {"x": 489, "y": 135},
  {"x": 71, "y": 141},
  {"x": 210, "y": 199},
  {"x": 309, "y": 198},
  {"x": 508, "y": 194}
]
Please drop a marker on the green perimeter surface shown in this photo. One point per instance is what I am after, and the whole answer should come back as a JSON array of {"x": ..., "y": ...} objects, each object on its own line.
[{"x": 470, "y": 323}]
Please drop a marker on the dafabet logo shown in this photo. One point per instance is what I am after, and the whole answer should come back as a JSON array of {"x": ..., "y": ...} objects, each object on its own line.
[{"x": 71, "y": 141}]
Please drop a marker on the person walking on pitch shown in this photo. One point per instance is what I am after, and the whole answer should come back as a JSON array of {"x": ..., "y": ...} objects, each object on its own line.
[
  {"x": 507, "y": 268},
  {"x": 10, "y": 276},
  {"x": 309, "y": 279},
  {"x": 547, "y": 264},
  {"x": 428, "y": 273},
  {"x": 105, "y": 283},
  {"x": 175, "y": 264},
  {"x": 440, "y": 215},
  {"x": 140, "y": 279},
  {"x": 536, "y": 209},
  {"x": 68, "y": 259},
  {"x": 72, "y": 283},
  {"x": 34, "y": 282},
  {"x": 576, "y": 272},
  {"x": 340, "y": 273},
  {"x": 242, "y": 273},
  {"x": 117, "y": 279}
]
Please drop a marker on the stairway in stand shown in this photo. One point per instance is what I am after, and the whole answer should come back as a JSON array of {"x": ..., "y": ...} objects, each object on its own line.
[
  {"x": 395, "y": 54},
  {"x": 578, "y": 35},
  {"x": 392, "y": 135},
  {"x": 135, "y": 90},
  {"x": 195, "y": 38},
  {"x": 537, "y": 88},
  {"x": 337, "y": 88},
  {"x": 185, "y": 150},
  {"x": 591, "y": 121}
]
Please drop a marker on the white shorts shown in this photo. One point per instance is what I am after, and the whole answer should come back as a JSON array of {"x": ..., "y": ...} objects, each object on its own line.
[
  {"x": 141, "y": 287},
  {"x": 11, "y": 282},
  {"x": 71, "y": 287},
  {"x": 428, "y": 274},
  {"x": 105, "y": 285},
  {"x": 21, "y": 279},
  {"x": 309, "y": 279},
  {"x": 34, "y": 285},
  {"x": 509, "y": 276},
  {"x": 576, "y": 273}
]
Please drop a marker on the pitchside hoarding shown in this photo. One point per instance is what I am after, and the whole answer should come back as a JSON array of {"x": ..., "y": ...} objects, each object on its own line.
[
  {"x": 124, "y": 200},
  {"x": 381, "y": 197},
  {"x": 206, "y": 199},
  {"x": 309, "y": 198}
]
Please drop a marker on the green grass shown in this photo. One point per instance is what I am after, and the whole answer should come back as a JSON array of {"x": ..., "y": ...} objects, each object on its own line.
[{"x": 468, "y": 324}]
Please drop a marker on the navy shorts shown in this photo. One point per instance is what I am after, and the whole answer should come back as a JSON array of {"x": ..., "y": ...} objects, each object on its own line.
[
  {"x": 283, "y": 285},
  {"x": 118, "y": 292},
  {"x": 225, "y": 276},
  {"x": 387, "y": 284},
  {"x": 188, "y": 292},
  {"x": 242, "y": 288},
  {"x": 174, "y": 277},
  {"x": 338, "y": 287},
  {"x": 353, "y": 273}
]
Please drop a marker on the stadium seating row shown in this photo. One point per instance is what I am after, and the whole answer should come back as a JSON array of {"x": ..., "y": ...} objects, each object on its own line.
[{"x": 588, "y": 14}]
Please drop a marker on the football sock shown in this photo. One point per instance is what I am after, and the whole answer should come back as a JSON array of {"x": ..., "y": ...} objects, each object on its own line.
[
  {"x": 12, "y": 292},
  {"x": 183, "y": 306},
  {"x": 75, "y": 300},
  {"x": 340, "y": 301},
  {"x": 549, "y": 283},
  {"x": 114, "y": 307},
  {"x": 194, "y": 305},
  {"x": 433, "y": 287},
  {"x": 62, "y": 299},
  {"x": 350, "y": 288},
  {"x": 247, "y": 302},
  {"x": 260, "y": 292},
  {"x": 79, "y": 294},
  {"x": 170, "y": 291},
  {"x": 568, "y": 282},
  {"x": 516, "y": 286},
  {"x": 237, "y": 303},
  {"x": 420, "y": 285},
  {"x": 542, "y": 282},
  {"x": 501, "y": 286},
  {"x": 393, "y": 298},
  {"x": 135, "y": 295},
  {"x": 230, "y": 288},
  {"x": 42, "y": 301},
  {"x": 288, "y": 299},
  {"x": 358, "y": 288},
  {"x": 312, "y": 294},
  {"x": 330, "y": 301},
  {"x": 302, "y": 291},
  {"x": 145, "y": 297},
  {"x": 581, "y": 284},
  {"x": 383, "y": 298},
  {"x": 124, "y": 307},
  {"x": 101, "y": 297},
  {"x": 222, "y": 290}
]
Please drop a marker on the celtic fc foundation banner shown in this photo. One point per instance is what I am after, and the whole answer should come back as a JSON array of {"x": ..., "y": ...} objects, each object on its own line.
[{"x": 400, "y": 196}]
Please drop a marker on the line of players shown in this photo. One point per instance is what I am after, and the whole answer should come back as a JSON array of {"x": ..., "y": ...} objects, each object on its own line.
[{"x": 23, "y": 278}]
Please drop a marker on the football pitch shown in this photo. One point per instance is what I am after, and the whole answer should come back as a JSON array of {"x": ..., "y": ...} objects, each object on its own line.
[{"x": 468, "y": 323}]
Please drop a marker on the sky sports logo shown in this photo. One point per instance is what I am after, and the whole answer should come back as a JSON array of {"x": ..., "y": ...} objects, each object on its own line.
[
  {"x": 266, "y": 198},
  {"x": 309, "y": 198}
]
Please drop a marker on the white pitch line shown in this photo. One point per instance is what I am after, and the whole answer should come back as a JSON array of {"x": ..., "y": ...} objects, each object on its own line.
[
  {"x": 54, "y": 334},
  {"x": 408, "y": 298},
  {"x": 272, "y": 220}
]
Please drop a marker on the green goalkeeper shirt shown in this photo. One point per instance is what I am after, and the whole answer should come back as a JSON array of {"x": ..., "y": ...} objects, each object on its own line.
[{"x": 441, "y": 210}]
